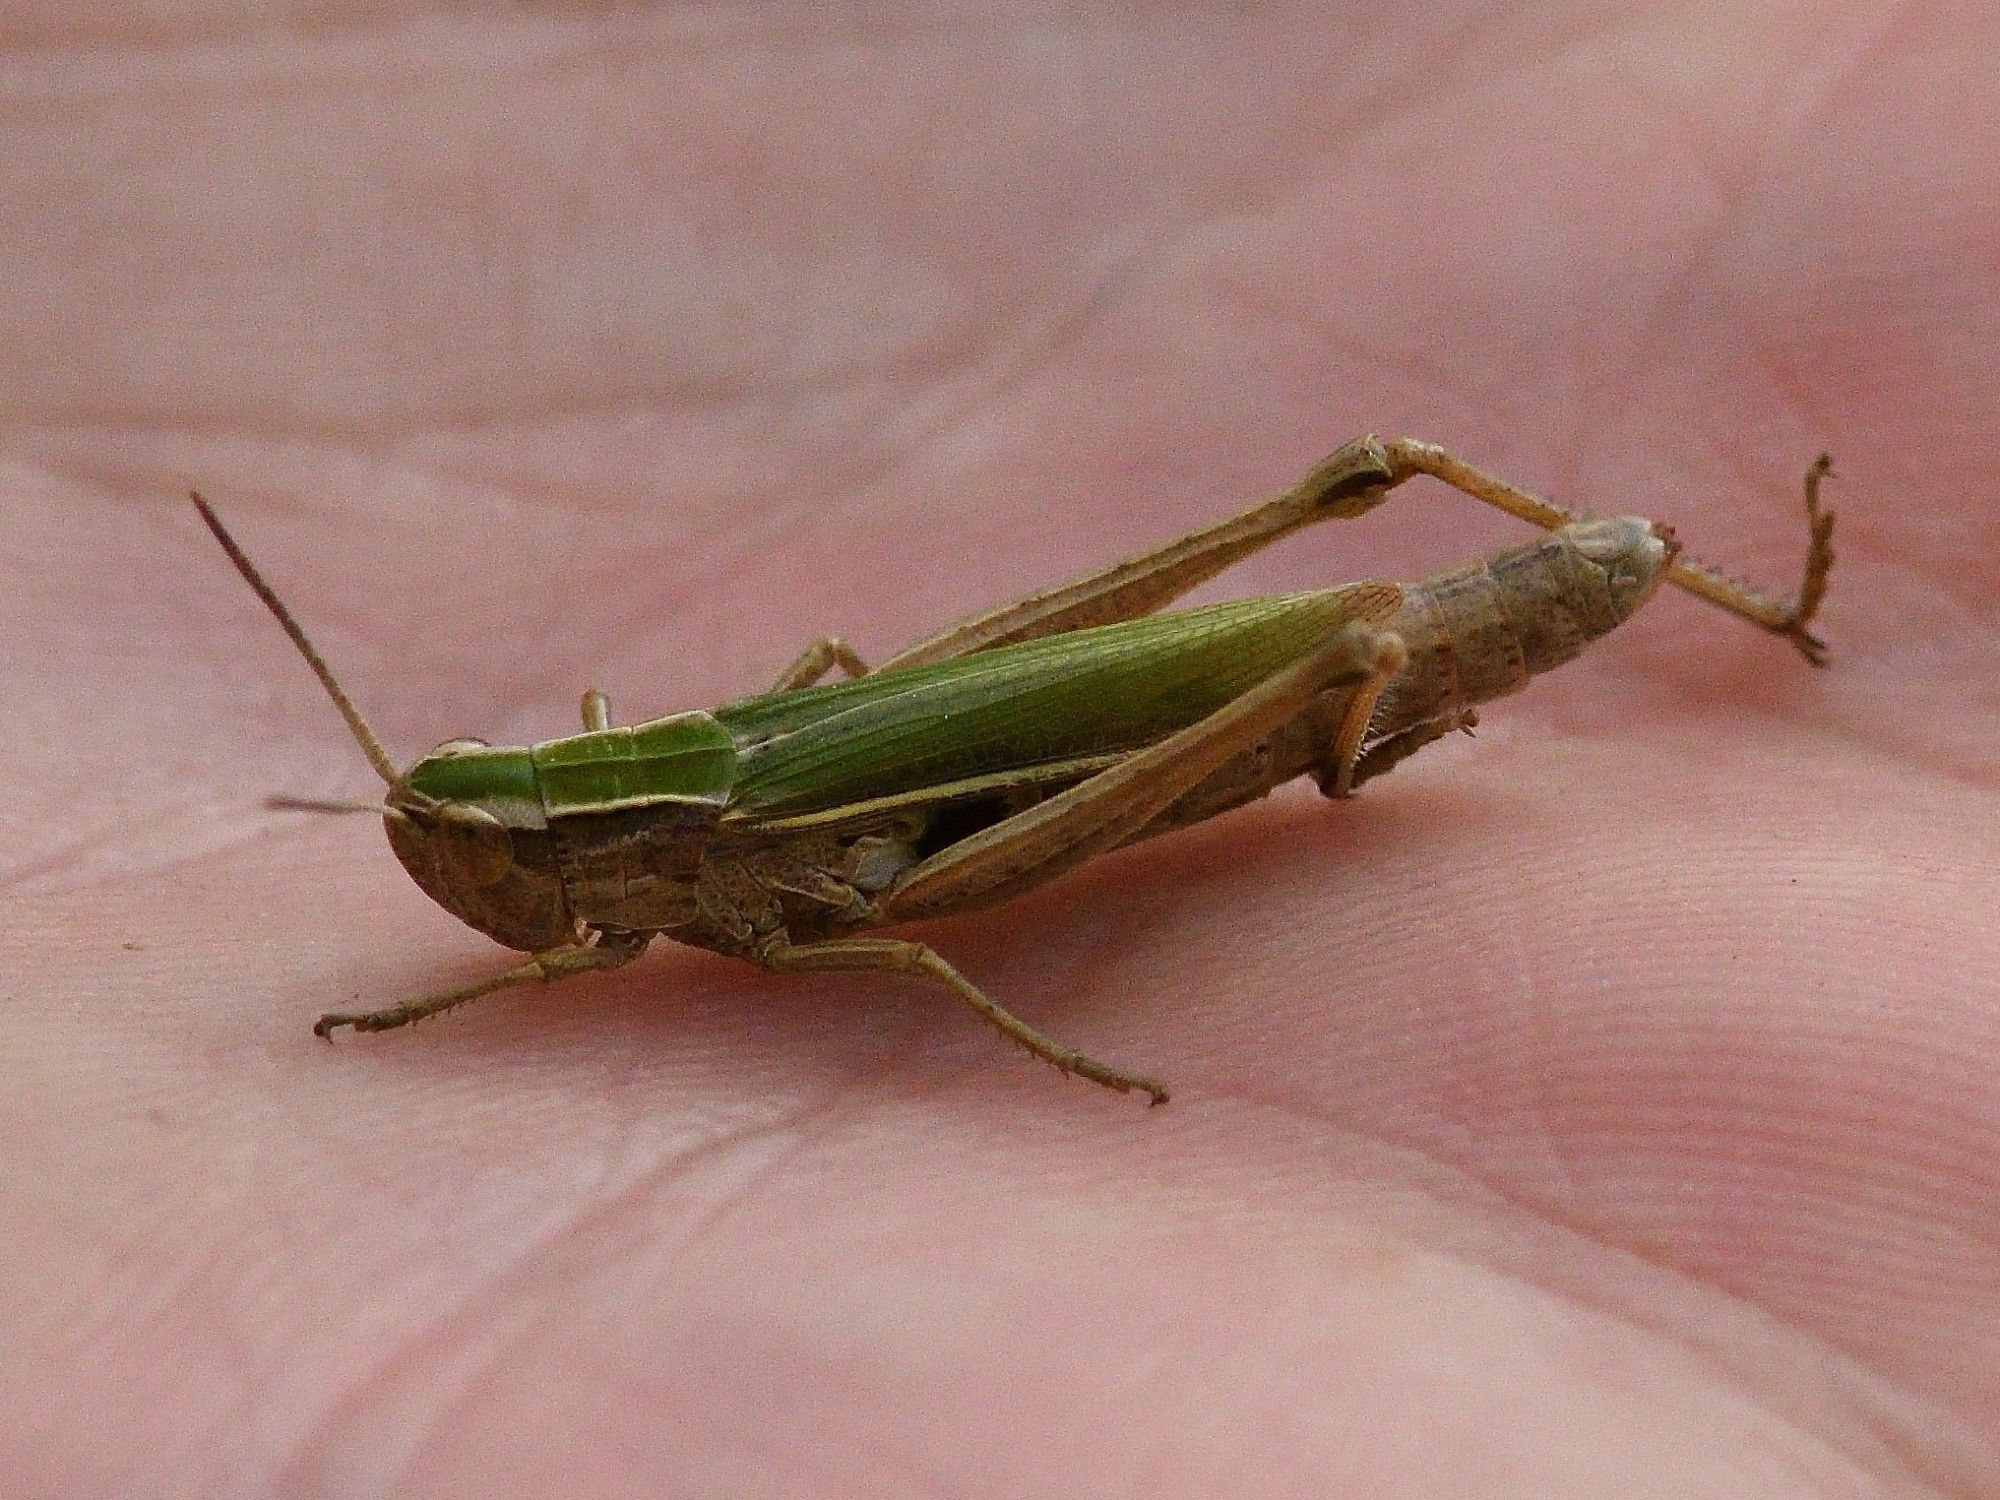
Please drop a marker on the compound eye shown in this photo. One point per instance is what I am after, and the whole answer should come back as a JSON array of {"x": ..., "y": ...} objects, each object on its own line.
[
  {"x": 459, "y": 746},
  {"x": 478, "y": 842}
]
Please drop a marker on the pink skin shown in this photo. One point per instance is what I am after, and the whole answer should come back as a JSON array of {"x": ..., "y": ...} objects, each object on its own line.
[{"x": 1609, "y": 1106}]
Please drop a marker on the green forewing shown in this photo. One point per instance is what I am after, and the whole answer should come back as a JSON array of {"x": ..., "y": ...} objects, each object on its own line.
[{"x": 1063, "y": 697}]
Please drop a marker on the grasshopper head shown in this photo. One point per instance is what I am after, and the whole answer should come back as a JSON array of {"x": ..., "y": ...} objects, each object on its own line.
[
  {"x": 466, "y": 820},
  {"x": 467, "y": 823}
]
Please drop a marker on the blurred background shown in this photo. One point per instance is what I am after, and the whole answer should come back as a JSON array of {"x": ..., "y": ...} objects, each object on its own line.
[{"x": 546, "y": 345}]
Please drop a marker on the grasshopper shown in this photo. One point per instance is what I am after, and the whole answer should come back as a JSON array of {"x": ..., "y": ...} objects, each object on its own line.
[{"x": 998, "y": 754}]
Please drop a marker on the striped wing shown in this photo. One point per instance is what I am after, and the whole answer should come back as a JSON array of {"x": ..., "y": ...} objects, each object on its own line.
[{"x": 1054, "y": 703}]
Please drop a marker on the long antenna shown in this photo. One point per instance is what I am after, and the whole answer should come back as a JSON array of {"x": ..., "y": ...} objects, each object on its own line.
[
  {"x": 363, "y": 735},
  {"x": 285, "y": 802}
]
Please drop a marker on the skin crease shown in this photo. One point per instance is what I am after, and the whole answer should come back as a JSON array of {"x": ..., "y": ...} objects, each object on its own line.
[{"x": 1603, "y": 1106}]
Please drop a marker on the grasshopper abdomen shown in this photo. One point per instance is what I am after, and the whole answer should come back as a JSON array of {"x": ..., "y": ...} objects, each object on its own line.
[{"x": 1482, "y": 630}]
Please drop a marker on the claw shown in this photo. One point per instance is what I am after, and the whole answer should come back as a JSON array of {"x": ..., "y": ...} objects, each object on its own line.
[
  {"x": 1819, "y": 563},
  {"x": 1808, "y": 645}
]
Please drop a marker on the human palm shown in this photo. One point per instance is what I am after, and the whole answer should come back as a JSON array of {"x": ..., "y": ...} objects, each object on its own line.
[{"x": 1604, "y": 1106}]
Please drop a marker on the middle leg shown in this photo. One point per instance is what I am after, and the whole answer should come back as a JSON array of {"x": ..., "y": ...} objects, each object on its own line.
[{"x": 901, "y": 957}]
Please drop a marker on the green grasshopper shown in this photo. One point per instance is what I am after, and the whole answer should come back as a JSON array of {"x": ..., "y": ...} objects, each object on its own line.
[{"x": 1006, "y": 750}]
